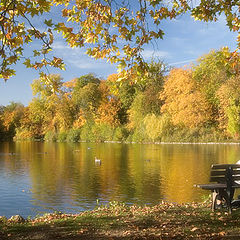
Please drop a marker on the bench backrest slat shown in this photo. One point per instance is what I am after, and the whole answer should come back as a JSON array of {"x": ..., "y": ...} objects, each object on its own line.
[
  {"x": 218, "y": 179},
  {"x": 225, "y": 166},
  {"x": 222, "y": 179},
  {"x": 222, "y": 173},
  {"x": 218, "y": 173}
]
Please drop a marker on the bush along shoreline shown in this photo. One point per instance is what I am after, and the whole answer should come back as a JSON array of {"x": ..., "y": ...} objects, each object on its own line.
[
  {"x": 122, "y": 135},
  {"x": 120, "y": 221}
]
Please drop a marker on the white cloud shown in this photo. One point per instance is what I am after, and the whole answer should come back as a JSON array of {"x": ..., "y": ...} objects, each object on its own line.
[
  {"x": 75, "y": 56},
  {"x": 59, "y": 45},
  {"x": 78, "y": 58},
  {"x": 81, "y": 64},
  {"x": 65, "y": 49},
  {"x": 182, "y": 62},
  {"x": 178, "y": 41},
  {"x": 148, "y": 54}
]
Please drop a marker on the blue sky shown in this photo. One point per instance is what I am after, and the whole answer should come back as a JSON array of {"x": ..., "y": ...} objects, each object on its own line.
[{"x": 184, "y": 41}]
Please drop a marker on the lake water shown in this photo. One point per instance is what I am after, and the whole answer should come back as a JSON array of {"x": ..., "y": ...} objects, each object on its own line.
[{"x": 37, "y": 177}]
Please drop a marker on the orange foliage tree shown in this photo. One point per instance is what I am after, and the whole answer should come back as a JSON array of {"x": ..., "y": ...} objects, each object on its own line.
[
  {"x": 108, "y": 110},
  {"x": 183, "y": 101}
]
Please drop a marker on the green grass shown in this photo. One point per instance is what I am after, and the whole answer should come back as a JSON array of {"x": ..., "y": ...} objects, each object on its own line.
[{"x": 118, "y": 221}]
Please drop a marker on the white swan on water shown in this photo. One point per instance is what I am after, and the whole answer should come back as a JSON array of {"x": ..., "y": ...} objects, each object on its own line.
[{"x": 97, "y": 160}]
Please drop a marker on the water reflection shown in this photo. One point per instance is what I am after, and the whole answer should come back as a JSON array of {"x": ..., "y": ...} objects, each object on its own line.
[{"x": 41, "y": 177}]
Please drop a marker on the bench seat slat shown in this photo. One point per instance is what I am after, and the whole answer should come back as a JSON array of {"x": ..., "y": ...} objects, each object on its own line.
[
  {"x": 215, "y": 186},
  {"x": 212, "y": 186}
]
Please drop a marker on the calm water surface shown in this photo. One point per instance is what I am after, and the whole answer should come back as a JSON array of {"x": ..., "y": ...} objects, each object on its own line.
[{"x": 38, "y": 177}]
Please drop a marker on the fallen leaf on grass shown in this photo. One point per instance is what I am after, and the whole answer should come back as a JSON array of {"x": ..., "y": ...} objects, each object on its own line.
[
  {"x": 222, "y": 233},
  {"x": 221, "y": 219},
  {"x": 83, "y": 230},
  {"x": 194, "y": 229}
]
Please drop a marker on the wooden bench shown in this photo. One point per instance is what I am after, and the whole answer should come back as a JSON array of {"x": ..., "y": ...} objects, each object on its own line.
[{"x": 224, "y": 180}]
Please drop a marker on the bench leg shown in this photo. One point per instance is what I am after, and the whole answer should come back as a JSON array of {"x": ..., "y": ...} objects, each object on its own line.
[
  {"x": 221, "y": 196},
  {"x": 228, "y": 200},
  {"x": 217, "y": 199},
  {"x": 214, "y": 200}
]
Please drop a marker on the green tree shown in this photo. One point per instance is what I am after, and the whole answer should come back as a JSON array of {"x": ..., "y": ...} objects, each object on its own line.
[
  {"x": 49, "y": 91},
  {"x": 2, "y": 131},
  {"x": 11, "y": 117},
  {"x": 136, "y": 113},
  {"x": 233, "y": 113},
  {"x": 45, "y": 87},
  {"x": 147, "y": 98},
  {"x": 33, "y": 121},
  {"x": 151, "y": 85},
  {"x": 229, "y": 106},
  {"x": 124, "y": 91},
  {"x": 86, "y": 96},
  {"x": 51, "y": 109},
  {"x": 211, "y": 72},
  {"x": 153, "y": 126}
]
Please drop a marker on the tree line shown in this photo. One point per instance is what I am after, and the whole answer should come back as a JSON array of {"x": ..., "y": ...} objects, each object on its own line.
[{"x": 198, "y": 103}]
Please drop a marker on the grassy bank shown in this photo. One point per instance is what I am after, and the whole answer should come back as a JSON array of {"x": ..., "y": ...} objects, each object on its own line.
[{"x": 118, "y": 221}]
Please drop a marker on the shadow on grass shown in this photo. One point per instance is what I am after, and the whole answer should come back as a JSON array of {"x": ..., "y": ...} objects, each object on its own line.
[
  {"x": 87, "y": 227},
  {"x": 160, "y": 222}
]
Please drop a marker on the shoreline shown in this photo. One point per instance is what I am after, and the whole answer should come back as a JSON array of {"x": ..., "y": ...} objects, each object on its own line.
[{"x": 126, "y": 142}]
